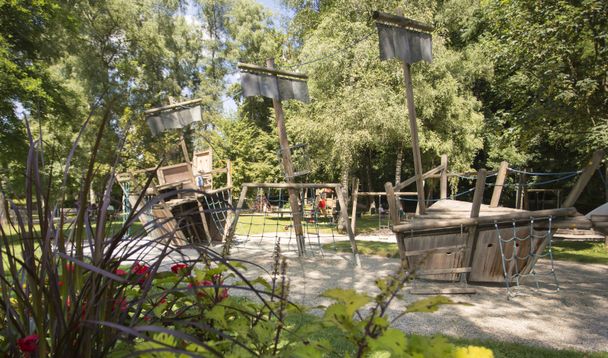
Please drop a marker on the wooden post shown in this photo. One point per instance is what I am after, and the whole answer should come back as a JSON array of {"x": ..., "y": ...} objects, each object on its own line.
[
  {"x": 500, "y": 182},
  {"x": 237, "y": 212},
  {"x": 182, "y": 143},
  {"x": 480, "y": 186},
  {"x": 288, "y": 169},
  {"x": 443, "y": 180},
  {"x": 393, "y": 211},
  {"x": 411, "y": 110},
  {"x": 583, "y": 180},
  {"x": 519, "y": 201},
  {"x": 349, "y": 231},
  {"x": 355, "y": 191},
  {"x": 471, "y": 244}
]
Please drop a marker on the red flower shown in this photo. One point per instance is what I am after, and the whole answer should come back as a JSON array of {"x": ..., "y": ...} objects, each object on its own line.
[
  {"x": 223, "y": 294},
  {"x": 120, "y": 303},
  {"x": 120, "y": 272},
  {"x": 69, "y": 267},
  {"x": 60, "y": 283},
  {"x": 180, "y": 269},
  {"x": 139, "y": 269},
  {"x": 28, "y": 344}
]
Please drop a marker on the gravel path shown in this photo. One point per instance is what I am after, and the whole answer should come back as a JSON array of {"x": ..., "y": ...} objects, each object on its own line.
[{"x": 576, "y": 317}]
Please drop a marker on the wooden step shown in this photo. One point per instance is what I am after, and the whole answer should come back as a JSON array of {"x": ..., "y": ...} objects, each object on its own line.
[
  {"x": 443, "y": 291},
  {"x": 442, "y": 271}
]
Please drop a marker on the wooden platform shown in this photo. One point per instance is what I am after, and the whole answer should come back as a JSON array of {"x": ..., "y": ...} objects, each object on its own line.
[{"x": 468, "y": 248}]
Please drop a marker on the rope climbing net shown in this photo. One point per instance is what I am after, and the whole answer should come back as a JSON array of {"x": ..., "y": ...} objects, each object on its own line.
[
  {"x": 264, "y": 217},
  {"x": 521, "y": 249}
]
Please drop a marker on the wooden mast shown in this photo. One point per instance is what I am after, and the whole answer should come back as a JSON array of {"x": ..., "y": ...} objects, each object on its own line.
[{"x": 288, "y": 166}]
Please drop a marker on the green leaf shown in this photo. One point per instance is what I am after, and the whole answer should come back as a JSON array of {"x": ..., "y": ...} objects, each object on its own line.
[
  {"x": 392, "y": 341},
  {"x": 430, "y": 304},
  {"x": 218, "y": 314},
  {"x": 350, "y": 298}
]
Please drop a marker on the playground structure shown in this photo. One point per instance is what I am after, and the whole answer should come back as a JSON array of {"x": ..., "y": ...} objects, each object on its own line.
[
  {"x": 449, "y": 240},
  {"x": 191, "y": 209},
  {"x": 455, "y": 239}
]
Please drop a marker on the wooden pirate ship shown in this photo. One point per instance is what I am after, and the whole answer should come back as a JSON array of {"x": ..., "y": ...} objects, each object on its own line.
[
  {"x": 186, "y": 204},
  {"x": 454, "y": 239}
]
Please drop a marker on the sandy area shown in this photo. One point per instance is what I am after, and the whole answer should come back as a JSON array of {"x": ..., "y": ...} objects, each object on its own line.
[{"x": 575, "y": 317}]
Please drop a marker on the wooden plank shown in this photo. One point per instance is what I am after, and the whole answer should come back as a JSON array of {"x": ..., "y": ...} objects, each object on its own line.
[
  {"x": 269, "y": 69},
  {"x": 411, "y": 180},
  {"x": 411, "y": 110},
  {"x": 436, "y": 224},
  {"x": 349, "y": 231},
  {"x": 353, "y": 220},
  {"x": 583, "y": 180},
  {"x": 172, "y": 106},
  {"x": 434, "y": 250},
  {"x": 292, "y": 185},
  {"x": 443, "y": 181},
  {"x": 377, "y": 193},
  {"x": 442, "y": 271},
  {"x": 443, "y": 291},
  {"x": 500, "y": 182},
  {"x": 401, "y": 21}
]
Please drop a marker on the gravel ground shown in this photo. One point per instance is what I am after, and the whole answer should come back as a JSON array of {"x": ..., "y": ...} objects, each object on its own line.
[{"x": 575, "y": 317}]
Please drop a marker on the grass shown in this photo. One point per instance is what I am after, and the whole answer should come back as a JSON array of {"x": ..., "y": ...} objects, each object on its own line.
[
  {"x": 583, "y": 252},
  {"x": 258, "y": 224},
  {"x": 580, "y": 251}
]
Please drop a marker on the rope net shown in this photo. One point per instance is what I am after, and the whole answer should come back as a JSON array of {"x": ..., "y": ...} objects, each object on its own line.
[
  {"x": 521, "y": 250},
  {"x": 267, "y": 218}
]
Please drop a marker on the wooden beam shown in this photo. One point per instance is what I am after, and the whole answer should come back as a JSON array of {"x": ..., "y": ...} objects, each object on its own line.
[
  {"x": 443, "y": 181},
  {"x": 480, "y": 186},
  {"x": 411, "y": 109},
  {"x": 482, "y": 220},
  {"x": 411, "y": 180},
  {"x": 500, "y": 182},
  {"x": 172, "y": 106},
  {"x": 292, "y": 185},
  {"x": 288, "y": 168},
  {"x": 377, "y": 193},
  {"x": 401, "y": 21},
  {"x": 583, "y": 180},
  {"x": 270, "y": 70}
]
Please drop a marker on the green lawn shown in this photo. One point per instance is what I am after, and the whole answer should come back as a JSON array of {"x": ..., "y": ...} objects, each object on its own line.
[
  {"x": 258, "y": 224},
  {"x": 584, "y": 252}
]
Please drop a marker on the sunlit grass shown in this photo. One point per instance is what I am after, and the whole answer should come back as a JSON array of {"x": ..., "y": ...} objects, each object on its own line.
[{"x": 258, "y": 223}]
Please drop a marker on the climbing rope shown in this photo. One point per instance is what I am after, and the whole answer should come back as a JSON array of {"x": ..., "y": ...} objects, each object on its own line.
[{"x": 523, "y": 258}]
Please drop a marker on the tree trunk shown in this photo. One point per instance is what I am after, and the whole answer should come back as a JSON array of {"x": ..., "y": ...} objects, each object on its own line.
[
  {"x": 4, "y": 212},
  {"x": 398, "y": 164},
  {"x": 368, "y": 178},
  {"x": 344, "y": 182}
]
